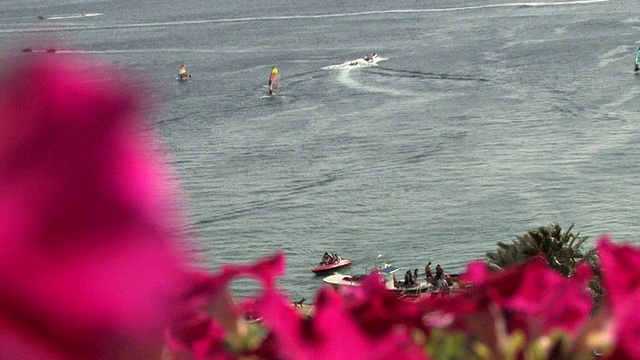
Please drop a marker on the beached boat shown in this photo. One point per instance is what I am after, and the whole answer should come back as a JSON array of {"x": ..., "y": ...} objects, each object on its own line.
[
  {"x": 451, "y": 279},
  {"x": 325, "y": 268},
  {"x": 387, "y": 276}
]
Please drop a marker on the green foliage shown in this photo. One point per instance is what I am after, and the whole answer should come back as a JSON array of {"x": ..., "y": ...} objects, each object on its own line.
[
  {"x": 557, "y": 345},
  {"x": 561, "y": 249},
  {"x": 449, "y": 346}
]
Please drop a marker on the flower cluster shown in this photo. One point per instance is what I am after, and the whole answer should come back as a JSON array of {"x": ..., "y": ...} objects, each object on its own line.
[
  {"x": 91, "y": 266},
  {"x": 524, "y": 312}
]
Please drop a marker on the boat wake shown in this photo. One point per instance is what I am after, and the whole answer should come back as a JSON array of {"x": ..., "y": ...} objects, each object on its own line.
[
  {"x": 345, "y": 78},
  {"x": 399, "y": 73},
  {"x": 539, "y": 3},
  {"x": 68, "y": 16}
]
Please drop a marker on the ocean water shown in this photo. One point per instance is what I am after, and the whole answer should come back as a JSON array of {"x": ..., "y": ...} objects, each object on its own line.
[{"x": 483, "y": 120}]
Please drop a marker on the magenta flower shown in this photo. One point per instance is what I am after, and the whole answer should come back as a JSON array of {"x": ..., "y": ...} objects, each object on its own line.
[
  {"x": 626, "y": 329},
  {"x": 621, "y": 270},
  {"x": 208, "y": 321},
  {"x": 90, "y": 262},
  {"x": 621, "y": 277},
  {"x": 532, "y": 297},
  {"x": 342, "y": 326},
  {"x": 380, "y": 311}
]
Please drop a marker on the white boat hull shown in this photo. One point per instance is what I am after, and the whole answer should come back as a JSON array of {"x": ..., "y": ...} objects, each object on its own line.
[
  {"x": 357, "y": 63},
  {"x": 386, "y": 272}
]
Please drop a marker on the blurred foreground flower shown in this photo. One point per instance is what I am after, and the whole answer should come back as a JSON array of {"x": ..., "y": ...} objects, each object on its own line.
[
  {"x": 210, "y": 324},
  {"x": 621, "y": 275},
  {"x": 90, "y": 264}
]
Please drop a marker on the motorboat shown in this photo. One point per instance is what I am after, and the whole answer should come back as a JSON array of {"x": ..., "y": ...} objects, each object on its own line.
[
  {"x": 366, "y": 60},
  {"x": 325, "y": 268},
  {"x": 386, "y": 272}
]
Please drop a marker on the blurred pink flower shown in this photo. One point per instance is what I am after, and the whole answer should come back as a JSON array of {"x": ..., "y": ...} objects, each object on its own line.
[
  {"x": 621, "y": 270},
  {"x": 620, "y": 265},
  {"x": 344, "y": 326},
  {"x": 209, "y": 319},
  {"x": 532, "y": 296},
  {"x": 380, "y": 311},
  {"x": 90, "y": 262}
]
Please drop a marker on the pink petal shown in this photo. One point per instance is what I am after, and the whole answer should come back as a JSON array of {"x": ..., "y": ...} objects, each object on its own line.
[
  {"x": 621, "y": 269},
  {"x": 332, "y": 333},
  {"x": 535, "y": 297},
  {"x": 207, "y": 314},
  {"x": 620, "y": 272}
]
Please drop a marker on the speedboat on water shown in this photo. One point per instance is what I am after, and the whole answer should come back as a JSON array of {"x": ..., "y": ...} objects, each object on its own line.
[
  {"x": 325, "y": 268},
  {"x": 330, "y": 262},
  {"x": 370, "y": 57},
  {"x": 366, "y": 60}
]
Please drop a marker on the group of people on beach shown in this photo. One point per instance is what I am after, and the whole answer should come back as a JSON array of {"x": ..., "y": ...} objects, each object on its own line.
[{"x": 330, "y": 259}]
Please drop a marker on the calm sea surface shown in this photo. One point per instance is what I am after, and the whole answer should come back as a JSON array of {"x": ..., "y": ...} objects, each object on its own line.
[{"x": 485, "y": 119}]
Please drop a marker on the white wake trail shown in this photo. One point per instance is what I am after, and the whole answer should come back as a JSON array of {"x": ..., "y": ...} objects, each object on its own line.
[{"x": 298, "y": 17}]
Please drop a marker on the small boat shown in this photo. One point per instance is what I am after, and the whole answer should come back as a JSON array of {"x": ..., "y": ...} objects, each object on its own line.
[
  {"x": 387, "y": 276},
  {"x": 450, "y": 278},
  {"x": 324, "y": 268},
  {"x": 366, "y": 60}
]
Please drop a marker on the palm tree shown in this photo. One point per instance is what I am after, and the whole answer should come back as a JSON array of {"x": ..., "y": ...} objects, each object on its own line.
[{"x": 562, "y": 251}]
